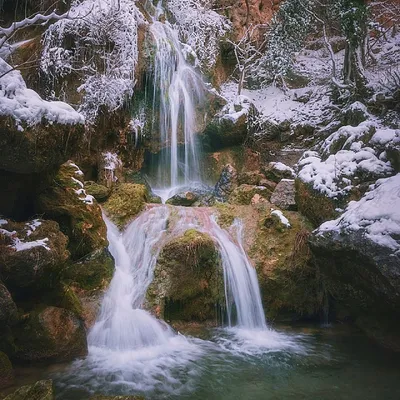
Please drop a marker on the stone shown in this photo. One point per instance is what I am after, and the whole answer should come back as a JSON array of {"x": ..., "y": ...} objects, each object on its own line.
[
  {"x": 42, "y": 390},
  {"x": 276, "y": 171},
  {"x": 8, "y": 309},
  {"x": 186, "y": 199},
  {"x": 227, "y": 182},
  {"x": 37, "y": 148},
  {"x": 6, "y": 371},
  {"x": 99, "y": 192},
  {"x": 51, "y": 334},
  {"x": 243, "y": 194},
  {"x": 188, "y": 281},
  {"x": 78, "y": 213},
  {"x": 125, "y": 202},
  {"x": 363, "y": 277},
  {"x": 101, "y": 397},
  {"x": 284, "y": 195},
  {"x": 31, "y": 253},
  {"x": 93, "y": 272}
]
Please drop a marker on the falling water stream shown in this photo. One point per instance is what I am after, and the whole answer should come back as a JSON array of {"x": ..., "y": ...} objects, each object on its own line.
[{"x": 133, "y": 352}]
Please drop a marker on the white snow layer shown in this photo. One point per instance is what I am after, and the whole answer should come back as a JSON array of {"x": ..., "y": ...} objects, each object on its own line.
[
  {"x": 377, "y": 213},
  {"x": 281, "y": 217},
  {"x": 25, "y": 105}
]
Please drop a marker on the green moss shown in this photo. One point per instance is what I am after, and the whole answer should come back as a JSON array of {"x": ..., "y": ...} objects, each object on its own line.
[
  {"x": 80, "y": 221},
  {"x": 94, "y": 272},
  {"x": 99, "y": 192},
  {"x": 64, "y": 296},
  {"x": 314, "y": 205},
  {"x": 243, "y": 194},
  {"x": 226, "y": 214},
  {"x": 188, "y": 282},
  {"x": 125, "y": 202},
  {"x": 42, "y": 390}
]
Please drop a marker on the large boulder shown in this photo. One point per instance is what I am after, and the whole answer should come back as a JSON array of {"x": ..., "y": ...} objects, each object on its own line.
[
  {"x": 52, "y": 333},
  {"x": 78, "y": 213},
  {"x": 125, "y": 202},
  {"x": 8, "y": 309},
  {"x": 6, "y": 371},
  {"x": 188, "y": 281},
  {"x": 32, "y": 253},
  {"x": 359, "y": 257},
  {"x": 42, "y": 390}
]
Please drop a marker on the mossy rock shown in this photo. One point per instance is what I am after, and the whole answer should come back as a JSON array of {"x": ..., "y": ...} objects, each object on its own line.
[
  {"x": 37, "y": 148},
  {"x": 313, "y": 204},
  {"x": 38, "y": 259},
  {"x": 243, "y": 194},
  {"x": 42, "y": 390},
  {"x": 6, "y": 371},
  {"x": 8, "y": 309},
  {"x": 188, "y": 280},
  {"x": 125, "y": 202},
  {"x": 64, "y": 296},
  {"x": 78, "y": 214},
  {"x": 92, "y": 272},
  {"x": 99, "y": 192},
  {"x": 52, "y": 333}
]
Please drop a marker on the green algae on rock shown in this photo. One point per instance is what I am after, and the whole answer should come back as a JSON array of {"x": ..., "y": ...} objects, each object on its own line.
[
  {"x": 188, "y": 281},
  {"x": 125, "y": 202},
  {"x": 42, "y": 390},
  {"x": 51, "y": 333}
]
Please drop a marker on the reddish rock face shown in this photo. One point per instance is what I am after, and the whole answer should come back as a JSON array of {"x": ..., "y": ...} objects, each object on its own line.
[{"x": 244, "y": 13}]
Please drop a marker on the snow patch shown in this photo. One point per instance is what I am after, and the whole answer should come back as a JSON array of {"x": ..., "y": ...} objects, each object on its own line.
[
  {"x": 377, "y": 213},
  {"x": 281, "y": 217}
]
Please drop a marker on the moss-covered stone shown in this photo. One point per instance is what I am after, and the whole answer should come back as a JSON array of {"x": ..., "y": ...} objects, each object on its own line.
[
  {"x": 42, "y": 390},
  {"x": 6, "y": 371},
  {"x": 92, "y": 272},
  {"x": 188, "y": 281},
  {"x": 314, "y": 205},
  {"x": 8, "y": 309},
  {"x": 64, "y": 296},
  {"x": 37, "y": 148},
  {"x": 99, "y": 192},
  {"x": 51, "y": 333},
  {"x": 33, "y": 254},
  {"x": 125, "y": 202},
  {"x": 78, "y": 214},
  {"x": 243, "y": 194}
]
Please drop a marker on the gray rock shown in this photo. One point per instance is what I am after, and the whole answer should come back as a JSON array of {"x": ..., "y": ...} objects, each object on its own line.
[
  {"x": 284, "y": 195},
  {"x": 227, "y": 182}
]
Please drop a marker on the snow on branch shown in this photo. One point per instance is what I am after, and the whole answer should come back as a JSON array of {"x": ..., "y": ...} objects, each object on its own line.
[
  {"x": 200, "y": 27},
  {"x": 103, "y": 52}
]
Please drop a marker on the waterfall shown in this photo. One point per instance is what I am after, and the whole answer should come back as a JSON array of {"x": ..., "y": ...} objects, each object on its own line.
[
  {"x": 178, "y": 89},
  {"x": 240, "y": 277},
  {"x": 122, "y": 324}
]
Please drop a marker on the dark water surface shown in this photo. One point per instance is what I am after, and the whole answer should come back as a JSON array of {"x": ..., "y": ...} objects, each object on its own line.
[{"x": 333, "y": 363}]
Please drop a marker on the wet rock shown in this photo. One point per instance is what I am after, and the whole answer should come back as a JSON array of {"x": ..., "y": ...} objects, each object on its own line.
[
  {"x": 227, "y": 182},
  {"x": 32, "y": 253},
  {"x": 8, "y": 309},
  {"x": 37, "y": 148},
  {"x": 186, "y": 199},
  {"x": 99, "y": 192},
  {"x": 42, "y": 390},
  {"x": 52, "y": 334},
  {"x": 363, "y": 277},
  {"x": 284, "y": 195},
  {"x": 93, "y": 272},
  {"x": 188, "y": 282},
  {"x": 78, "y": 213},
  {"x": 125, "y": 202},
  {"x": 6, "y": 371},
  {"x": 243, "y": 194}
]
